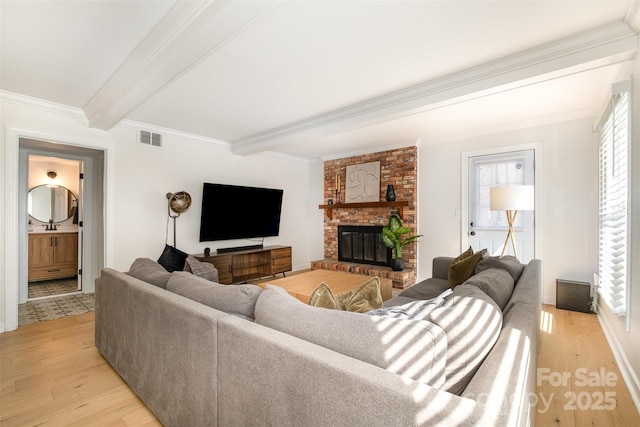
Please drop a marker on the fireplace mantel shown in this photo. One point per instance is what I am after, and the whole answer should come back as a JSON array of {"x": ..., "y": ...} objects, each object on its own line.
[{"x": 399, "y": 204}]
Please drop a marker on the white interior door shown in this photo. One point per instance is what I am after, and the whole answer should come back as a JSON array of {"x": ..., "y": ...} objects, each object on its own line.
[{"x": 487, "y": 228}]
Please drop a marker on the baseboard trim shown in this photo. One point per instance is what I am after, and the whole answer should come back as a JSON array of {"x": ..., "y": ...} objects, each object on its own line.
[{"x": 628, "y": 375}]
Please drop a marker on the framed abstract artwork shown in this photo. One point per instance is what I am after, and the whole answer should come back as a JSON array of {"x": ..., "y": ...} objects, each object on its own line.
[{"x": 362, "y": 183}]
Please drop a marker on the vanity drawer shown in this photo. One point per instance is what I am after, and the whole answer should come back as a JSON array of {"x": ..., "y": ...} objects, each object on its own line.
[{"x": 52, "y": 272}]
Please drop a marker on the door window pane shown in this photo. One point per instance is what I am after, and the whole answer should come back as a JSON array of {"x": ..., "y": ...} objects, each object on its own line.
[{"x": 499, "y": 173}]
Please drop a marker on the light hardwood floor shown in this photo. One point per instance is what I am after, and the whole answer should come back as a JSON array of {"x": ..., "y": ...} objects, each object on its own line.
[
  {"x": 51, "y": 375},
  {"x": 579, "y": 383}
]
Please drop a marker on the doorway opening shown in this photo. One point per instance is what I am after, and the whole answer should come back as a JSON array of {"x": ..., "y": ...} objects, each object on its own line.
[
  {"x": 54, "y": 208},
  {"x": 60, "y": 243}
]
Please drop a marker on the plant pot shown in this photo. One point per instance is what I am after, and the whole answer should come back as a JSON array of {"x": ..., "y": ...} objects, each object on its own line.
[{"x": 397, "y": 264}]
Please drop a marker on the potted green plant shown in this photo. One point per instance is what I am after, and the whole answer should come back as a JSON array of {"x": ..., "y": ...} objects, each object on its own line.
[{"x": 395, "y": 236}]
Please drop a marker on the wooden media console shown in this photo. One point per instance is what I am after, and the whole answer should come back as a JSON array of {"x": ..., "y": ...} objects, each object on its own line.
[{"x": 246, "y": 264}]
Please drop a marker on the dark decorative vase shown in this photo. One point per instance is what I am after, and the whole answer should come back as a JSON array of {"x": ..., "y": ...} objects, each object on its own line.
[
  {"x": 397, "y": 264},
  {"x": 391, "y": 194}
]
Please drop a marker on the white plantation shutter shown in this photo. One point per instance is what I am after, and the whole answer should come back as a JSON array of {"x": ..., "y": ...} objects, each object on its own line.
[{"x": 613, "y": 204}]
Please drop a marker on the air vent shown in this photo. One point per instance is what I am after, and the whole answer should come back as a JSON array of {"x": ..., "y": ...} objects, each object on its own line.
[{"x": 150, "y": 138}]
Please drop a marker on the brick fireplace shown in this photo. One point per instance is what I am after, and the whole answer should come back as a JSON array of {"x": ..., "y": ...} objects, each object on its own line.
[{"x": 398, "y": 167}]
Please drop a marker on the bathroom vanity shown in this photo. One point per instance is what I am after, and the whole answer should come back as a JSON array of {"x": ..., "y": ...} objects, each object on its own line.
[
  {"x": 53, "y": 251},
  {"x": 52, "y": 255}
]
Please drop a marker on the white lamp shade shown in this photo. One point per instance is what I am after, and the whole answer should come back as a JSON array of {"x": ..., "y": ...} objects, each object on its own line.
[{"x": 512, "y": 198}]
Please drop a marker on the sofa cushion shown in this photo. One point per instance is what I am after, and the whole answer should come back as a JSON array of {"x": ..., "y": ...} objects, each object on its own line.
[
  {"x": 508, "y": 262},
  {"x": 472, "y": 324},
  {"x": 395, "y": 301},
  {"x": 427, "y": 289},
  {"x": 365, "y": 298},
  {"x": 463, "y": 268},
  {"x": 172, "y": 259},
  {"x": 239, "y": 300},
  {"x": 149, "y": 271},
  {"x": 205, "y": 270},
  {"x": 411, "y": 348},
  {"x": 496, "y": 283}
]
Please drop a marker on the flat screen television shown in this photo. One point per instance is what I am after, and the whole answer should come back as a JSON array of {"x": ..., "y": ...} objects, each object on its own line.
[{"x": 237, "y": 212}]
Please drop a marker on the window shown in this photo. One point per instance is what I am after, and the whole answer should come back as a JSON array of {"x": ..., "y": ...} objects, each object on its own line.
[
  {"x": 613, "y": 202},
  {"x": 496, "y": 171}
]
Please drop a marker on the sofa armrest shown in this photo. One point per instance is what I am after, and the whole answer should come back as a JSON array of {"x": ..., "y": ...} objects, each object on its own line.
[
  {"x": 441, "y": 266},
  {"x": 163, "y": 345}
]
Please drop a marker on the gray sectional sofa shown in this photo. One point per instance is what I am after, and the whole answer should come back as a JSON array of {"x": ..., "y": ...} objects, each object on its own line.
[{"x": 203, "y": 354}]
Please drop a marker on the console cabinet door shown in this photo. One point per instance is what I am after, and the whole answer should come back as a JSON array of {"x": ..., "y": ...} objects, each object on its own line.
[{"x": 280, "y": 260}]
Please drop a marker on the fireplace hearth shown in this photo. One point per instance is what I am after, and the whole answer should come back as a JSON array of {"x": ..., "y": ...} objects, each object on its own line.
[{"x": 362, "y": 244}]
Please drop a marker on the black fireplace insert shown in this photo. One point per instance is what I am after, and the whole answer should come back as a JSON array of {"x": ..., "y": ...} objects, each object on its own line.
[{"x": 362, "y": 244}]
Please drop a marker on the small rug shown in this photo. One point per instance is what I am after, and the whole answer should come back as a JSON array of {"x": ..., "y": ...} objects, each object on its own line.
[
  {"x": 55, "y": 308},
  {"x": 52, "y": 287}
]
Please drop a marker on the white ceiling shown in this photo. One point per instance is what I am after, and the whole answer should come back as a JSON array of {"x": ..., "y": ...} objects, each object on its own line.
[{"x": 319, "y": 79}]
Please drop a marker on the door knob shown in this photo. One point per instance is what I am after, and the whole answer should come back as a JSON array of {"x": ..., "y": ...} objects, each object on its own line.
[{"x": 473, "y": 233}]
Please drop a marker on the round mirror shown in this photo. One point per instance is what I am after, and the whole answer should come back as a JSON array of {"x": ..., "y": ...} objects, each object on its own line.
[{"x": 57, "y": 203}]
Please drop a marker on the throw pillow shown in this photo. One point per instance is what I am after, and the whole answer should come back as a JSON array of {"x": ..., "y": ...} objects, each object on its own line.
[
  {"x": 496, "y": 283},
  {"x": 205, "y": 270},
  {"x": 149, "y": 271},
  {"x": 414, "y": 349},
  {"x": 508, "y": 262},
  {"x": 462, "y": 269},
  {"x": 472, "y": 323},
  {"x": 172, "y": 259},
  {"x": 463, "y": 255},
  {"x": 322, "y": 296},
  {"x": 367, "y": 297}
]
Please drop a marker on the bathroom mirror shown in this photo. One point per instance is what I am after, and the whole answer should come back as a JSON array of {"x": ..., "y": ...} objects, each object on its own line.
[{"x": 57, "y": 203}]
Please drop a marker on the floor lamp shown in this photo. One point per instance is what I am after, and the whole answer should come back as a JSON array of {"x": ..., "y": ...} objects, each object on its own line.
[{"x": 511, "y": 200}]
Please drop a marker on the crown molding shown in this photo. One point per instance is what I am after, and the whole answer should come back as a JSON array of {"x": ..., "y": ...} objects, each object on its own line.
[
  {"x": 632, "y": 18},
  {"x": 174, "y": 133},
  {"x": 372, "y": 150},
  {"x": 162, "y": 57},
  {"x": 77, "y": 113},
  {"x": 288, "y": 157},
  {"x": 595, "y": 48},
  {"x": 586, "y": 113},
  {"x": 41, "y": 104}
]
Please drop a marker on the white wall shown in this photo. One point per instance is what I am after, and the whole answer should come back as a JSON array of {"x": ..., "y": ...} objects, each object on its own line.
[
  {"x": 137, "y": 180},
  {"x": 568, "y": 207},
  {"x": 145, "y": 174}
]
